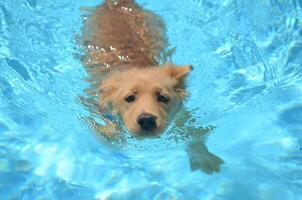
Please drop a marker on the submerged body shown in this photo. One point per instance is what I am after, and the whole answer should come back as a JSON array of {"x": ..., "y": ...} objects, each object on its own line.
[
  {"x": 123, "y": 50},
  {"x": 120, "y": 34},
  {"x": 123, "y": 47}
]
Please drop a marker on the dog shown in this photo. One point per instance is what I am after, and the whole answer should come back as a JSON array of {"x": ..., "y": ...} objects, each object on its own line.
[{"x": 124, "y": 47}]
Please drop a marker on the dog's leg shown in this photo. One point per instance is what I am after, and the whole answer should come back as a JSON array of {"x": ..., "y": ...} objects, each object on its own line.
[
  {"x": 109, "y": 131},
  {"x": 201, "y": 159}
]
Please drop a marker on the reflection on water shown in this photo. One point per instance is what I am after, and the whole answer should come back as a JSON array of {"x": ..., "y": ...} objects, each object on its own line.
[{"x": 246, "y": 83}]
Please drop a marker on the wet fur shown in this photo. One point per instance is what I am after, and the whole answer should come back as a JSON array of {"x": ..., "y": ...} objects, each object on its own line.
[
  {"x": 145, "y": 84},
  {"x": 124, "y": 46},
  {"x": 126, "y": 39}
]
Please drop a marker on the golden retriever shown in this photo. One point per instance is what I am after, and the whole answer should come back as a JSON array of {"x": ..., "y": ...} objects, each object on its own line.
[{"x": 124, "y": 48}]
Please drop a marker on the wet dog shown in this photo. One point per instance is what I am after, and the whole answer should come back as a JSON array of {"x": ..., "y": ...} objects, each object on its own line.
[{"x": 124, "y": 49}]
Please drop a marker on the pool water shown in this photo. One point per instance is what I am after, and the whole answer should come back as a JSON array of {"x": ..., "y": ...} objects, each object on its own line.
[{"x": 247, "y": 83}]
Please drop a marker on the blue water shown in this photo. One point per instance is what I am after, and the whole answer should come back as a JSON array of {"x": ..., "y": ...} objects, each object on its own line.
[{"x": 247, "y": 83}]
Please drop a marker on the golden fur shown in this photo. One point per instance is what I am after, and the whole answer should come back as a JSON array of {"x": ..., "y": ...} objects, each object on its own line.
[
  {"x": 123, "y": 35},
  {"x": 124, "y": 47},
  {"x": 124, "y": 44},
  {"x": 145, "y": 84}
]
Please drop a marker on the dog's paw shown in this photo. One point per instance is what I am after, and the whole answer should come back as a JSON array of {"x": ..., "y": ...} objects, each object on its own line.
[
  {"x": 207, "y": 162},
  {"x": 110, "y": 130},
  {"x": 201, "y": 159}
]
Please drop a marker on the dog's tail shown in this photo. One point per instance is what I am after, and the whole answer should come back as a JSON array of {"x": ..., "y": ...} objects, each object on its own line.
[{"x": 120, "y": 3}]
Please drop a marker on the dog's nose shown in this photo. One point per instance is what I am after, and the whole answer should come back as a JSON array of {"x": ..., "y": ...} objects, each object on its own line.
[{"x": 147, "y": 121}]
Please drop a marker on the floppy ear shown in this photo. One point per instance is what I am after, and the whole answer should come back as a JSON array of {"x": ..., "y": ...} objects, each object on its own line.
[
  {"x": 107, "y": 89},
  {"x": 178, "y": 72}
]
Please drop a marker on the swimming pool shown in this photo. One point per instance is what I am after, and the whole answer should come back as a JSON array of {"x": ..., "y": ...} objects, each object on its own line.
[{"x": 247, "y": 83}]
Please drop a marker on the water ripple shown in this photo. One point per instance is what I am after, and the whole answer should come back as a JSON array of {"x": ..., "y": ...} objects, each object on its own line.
[
  {"x": 291, "y": 119},
  {"x": 19, "y": 68},
  {"x": 246, "y": 54}
]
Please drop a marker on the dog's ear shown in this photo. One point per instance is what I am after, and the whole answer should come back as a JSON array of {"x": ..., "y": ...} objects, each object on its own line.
[
  {"x": 107, "y": 90},
  {"x": 177, "y": 72}
]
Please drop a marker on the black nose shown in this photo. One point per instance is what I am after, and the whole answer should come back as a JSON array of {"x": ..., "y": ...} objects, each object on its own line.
[{"x": 147, "y": 121}]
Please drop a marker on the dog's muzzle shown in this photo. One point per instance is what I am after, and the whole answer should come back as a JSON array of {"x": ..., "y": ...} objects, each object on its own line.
[{"x": 147, "y": 122}]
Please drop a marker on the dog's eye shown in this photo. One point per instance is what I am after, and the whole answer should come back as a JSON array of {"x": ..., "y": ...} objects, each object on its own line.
[
  {"x": 130, "y": 98},
  {"x": 162, "y": 98}
]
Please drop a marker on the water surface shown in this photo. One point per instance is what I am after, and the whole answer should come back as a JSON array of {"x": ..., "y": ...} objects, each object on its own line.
[{"x": 247, "y": 82}]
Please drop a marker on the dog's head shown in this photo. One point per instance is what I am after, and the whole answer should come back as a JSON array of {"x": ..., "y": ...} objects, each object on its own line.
[{"x": 145, "y": 98}]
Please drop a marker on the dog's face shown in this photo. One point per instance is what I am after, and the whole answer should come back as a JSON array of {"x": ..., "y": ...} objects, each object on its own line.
[{"x": 145, "y": 98}]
